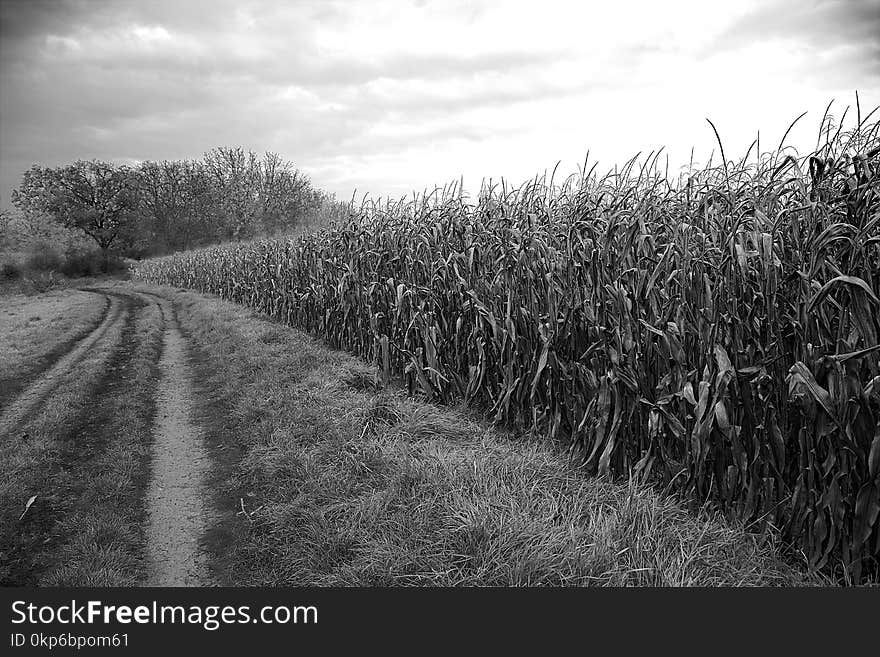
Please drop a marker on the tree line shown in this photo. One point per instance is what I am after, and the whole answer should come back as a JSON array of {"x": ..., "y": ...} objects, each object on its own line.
[{"x": 160, "y": 207}]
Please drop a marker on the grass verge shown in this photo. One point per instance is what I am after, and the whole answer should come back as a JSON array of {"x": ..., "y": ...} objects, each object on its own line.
[{"x": 324, "y": 480}]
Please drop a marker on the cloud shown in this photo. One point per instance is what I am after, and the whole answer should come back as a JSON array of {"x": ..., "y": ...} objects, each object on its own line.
[
  {"x": 831, "y": 38},
  {"x": 398, "y": 95},
  {"x": 818, "y": 23}
]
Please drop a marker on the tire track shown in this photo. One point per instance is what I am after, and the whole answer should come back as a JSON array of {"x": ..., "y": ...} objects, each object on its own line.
[
  {"x": 86, "y": 454},
  {"x": 176, "y": 500},
  {"x": 13, "y": 389},
  {"x": 177, "y": 504},
  {"x": 20, "y": 410}
]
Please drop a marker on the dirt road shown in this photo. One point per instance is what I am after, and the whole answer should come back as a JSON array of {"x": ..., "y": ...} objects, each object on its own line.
[
  {"x": 176, "y": 498},
  {"x": 173, "y": 492}
]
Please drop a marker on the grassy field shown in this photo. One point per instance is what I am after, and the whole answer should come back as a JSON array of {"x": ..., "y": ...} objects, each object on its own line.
[
  {"x": 322, "y": 479},
  {"x": 35, "y": 330},
  {"x": 717, "y": 334}
]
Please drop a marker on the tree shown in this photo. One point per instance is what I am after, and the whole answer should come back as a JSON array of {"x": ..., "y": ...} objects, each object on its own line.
[
  {"x": 176, "y": 201},
  {"x": 95, "y": 197},
  {"x": 254, "y": 195},
  {"x": 235, "y": 180},
  {"x": 285, "y": 194},
  {"x": 160, "y": 207}
]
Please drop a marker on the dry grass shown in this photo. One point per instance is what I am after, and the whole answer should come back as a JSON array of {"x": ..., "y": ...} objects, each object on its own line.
[
  {"x": 326, "y": 481},
  {"x": 36, "y": 330}
]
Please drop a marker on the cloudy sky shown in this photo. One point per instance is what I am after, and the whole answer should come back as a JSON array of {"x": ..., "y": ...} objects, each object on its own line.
[{"x": 391, "y": 96}]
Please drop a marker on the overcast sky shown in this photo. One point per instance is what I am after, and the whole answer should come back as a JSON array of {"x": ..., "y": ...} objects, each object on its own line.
[{"x": 388, "y": 96}]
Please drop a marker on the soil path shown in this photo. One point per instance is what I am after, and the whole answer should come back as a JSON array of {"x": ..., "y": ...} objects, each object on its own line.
[
  {"x": 176, "y": 497},
  {"x": 28, "y": 401}
]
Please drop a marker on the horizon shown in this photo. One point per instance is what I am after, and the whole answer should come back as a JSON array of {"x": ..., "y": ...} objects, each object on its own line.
[{"x": 385, "y": 99}]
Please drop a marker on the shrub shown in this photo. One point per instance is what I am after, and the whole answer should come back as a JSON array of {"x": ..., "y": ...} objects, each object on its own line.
[
  {"x": 44, "y": 258},
  {"x": 78, "y": 265},
  {"x": 43, "y": 281},
  {"x": 117, "y": 266},
  {"x": 10, "y": 271}
]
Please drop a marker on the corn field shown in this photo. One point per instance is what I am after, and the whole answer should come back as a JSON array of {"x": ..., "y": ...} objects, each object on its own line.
[{"x": 715, "y": 334}]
